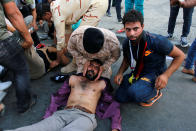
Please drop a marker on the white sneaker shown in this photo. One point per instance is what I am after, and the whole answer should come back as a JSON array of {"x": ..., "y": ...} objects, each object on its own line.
[
  {"x": 5, "y": 85},
  {"x": 2, "y": 95},
  {"x": 69, "y": 68}
]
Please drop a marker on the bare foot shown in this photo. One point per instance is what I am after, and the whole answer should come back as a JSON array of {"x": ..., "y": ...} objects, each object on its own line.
[
  {"x": 194, "y": 79},
  {"x": 188, "y": 71}
]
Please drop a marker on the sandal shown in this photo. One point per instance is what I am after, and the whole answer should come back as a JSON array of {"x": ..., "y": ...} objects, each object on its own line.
[{"x": 2, "y": 109}]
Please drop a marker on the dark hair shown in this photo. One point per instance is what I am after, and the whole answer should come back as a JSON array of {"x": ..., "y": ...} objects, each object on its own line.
[
  {"x": 93, "y": 40},
  {"x": 133, "y": 16},
  {"x": 97, "y": 61},
  {"x": 42, "y": 9}
]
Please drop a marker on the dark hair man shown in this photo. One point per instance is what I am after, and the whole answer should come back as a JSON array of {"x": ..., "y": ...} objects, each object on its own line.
[
  {"x": 88, "y": 42},
  {"x": 12, "y": 55},
  {"x": 81, "y": 104},
  {"x": 65, "y": 13},
  {"x": 150, "y": 74}
]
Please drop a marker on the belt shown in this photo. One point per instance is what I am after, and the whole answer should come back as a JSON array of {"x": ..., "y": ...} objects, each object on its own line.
[{"x": 80, "y": 108}]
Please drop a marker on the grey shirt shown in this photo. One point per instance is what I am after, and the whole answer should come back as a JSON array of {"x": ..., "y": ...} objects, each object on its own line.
[
  {"x": 20, "y": 5},
  {"x": 3, "y": 27}
]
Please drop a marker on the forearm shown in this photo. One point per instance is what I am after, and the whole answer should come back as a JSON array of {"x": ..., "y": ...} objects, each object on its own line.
[
  {"x": 123, "y": 66},
  {"x": 34, "y": 14},
  {"x": 17, "y": 20},
  {"x": 112, "y": 59},
  {"x": 175, "y": 64}
]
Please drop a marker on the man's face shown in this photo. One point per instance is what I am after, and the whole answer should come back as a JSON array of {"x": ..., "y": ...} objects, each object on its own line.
[
  {"x": 92, "y": 71},
  {"x": 133, "y": 30},
  {"x": 47, "y": 16}
]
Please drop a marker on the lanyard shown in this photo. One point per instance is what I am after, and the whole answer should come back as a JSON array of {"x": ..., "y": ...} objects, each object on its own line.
[{"x": 132, "y": 59}]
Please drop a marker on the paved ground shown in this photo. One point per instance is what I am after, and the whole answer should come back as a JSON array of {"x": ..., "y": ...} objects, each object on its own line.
[{"x": 175, "y": 111}]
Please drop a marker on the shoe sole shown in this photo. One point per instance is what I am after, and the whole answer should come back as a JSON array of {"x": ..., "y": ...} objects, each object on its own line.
[{"x": 153, "y": 101}]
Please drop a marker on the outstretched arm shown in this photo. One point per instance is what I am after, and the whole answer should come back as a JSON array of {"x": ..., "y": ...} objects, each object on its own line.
[
  {"x": 17, "y": 21},
  {"x": 178, "y": 57}
]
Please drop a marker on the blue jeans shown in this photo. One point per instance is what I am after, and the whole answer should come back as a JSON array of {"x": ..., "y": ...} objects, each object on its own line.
[
  {"x": 118, "y": 8},
  {"x": 12, "y": 57},
  {"x": 129, "y": 5},
  {"x": 191, "y": 57},
  {"x": 187, "y": 16},
  {"x": 139, "y": 91}
]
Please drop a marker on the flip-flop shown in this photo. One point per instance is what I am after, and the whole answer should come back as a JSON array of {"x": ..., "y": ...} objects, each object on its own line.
[{"x": 120, "y": 31}]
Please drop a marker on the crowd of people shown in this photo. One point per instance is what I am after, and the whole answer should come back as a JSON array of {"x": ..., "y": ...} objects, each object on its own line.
[{"x": 90, "y": 51}]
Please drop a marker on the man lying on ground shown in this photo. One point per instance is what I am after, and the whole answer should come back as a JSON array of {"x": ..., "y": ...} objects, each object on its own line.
[{"x": 83, "y": 98}]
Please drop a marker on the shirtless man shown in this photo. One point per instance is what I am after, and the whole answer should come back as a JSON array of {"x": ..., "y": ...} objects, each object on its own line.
[{"x": 79, "y": 114}]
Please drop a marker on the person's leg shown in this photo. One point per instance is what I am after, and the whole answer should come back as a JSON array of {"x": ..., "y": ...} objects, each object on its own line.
[
  {"x": 143, "y": 89},
  {"x": 121, "y": 94},
  {"x": 109, "y": 5},
  {"x": 118, "y": 10},
  {"x": 139, "y": 6},
  {"x": 52, "y": 123},
  {"x": 172, "y": 19},
  {"x": 83, "y": 122},
  {"x": 191, "y": 58},
  {"x": 187, "y": 16},
  {"x": 129, "y": 5},
  {"x": 35, "y": 63}
]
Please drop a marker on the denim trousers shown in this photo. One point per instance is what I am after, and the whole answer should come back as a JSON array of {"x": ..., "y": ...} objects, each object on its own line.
[
  {"x": 118, "y": 9},
  {"x": 187, "y": 16},
  {"x": 138, "y": 4},
  {"x": 140, "y": 91},
  {"x": 191, "y": 57},
  {"x": 12, "y": 57}
]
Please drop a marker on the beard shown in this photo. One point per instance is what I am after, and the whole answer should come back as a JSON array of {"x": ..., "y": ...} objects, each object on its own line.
[
  {"x": 91, "y": 75},
  {"x": 137, "y": 38}
]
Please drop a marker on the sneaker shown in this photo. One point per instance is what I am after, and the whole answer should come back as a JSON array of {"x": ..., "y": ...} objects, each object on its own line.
[
  {"x": 2, "y": 95},
  {"x": 25, "y": 107},
  {"x": 69, "y": 68},
  {"x": 152, "y": 100},
  {"x": 184, "y": 42},
  {"x": 120, "y": 20},
  {"x": 5, "y": 85},
  {"x": 169, "y": 36},
  {"x": 108, "y": 14}
]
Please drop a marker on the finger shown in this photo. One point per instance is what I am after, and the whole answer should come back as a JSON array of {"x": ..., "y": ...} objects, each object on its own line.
[
  {"x": 99, "y": 74},
  {"x": 84, "y": 71}
]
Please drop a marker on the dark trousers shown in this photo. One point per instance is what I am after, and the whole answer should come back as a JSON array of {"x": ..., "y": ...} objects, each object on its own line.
[
  {"x": 118, "y": 8},
  {"x": 187, "y": 16},
  {"x": 109, "y": 5},
  {"x": 139, "y": 91},
  {"x": 12, "y": 57}
]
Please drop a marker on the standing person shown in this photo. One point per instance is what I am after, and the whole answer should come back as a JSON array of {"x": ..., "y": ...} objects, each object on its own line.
[
  {"x": 66, "y": 13},
  {"x": 88, "y": 42},
  {"x": 118, "y": 10},
  {"x": 28, "y": 10},
  {"x": 190, "y": 61},
  {"x": 187, "y": 16},
  {"x": 150, "y": 74},
  {"x": 191, "y": 57},
  {"x": 108, "y": 13},
  {"x": 12, "y": 54},
  {"x": 133, "y": 4}
]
